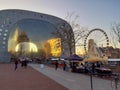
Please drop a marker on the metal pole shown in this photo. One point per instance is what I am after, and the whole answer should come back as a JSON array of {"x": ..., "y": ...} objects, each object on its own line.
[
  {"x": 91, "y": 81},
  {"x": 116, "y": 82}
]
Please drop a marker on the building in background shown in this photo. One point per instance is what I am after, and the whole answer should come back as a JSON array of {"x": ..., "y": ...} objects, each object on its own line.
[{"x": 37, "y": 27}]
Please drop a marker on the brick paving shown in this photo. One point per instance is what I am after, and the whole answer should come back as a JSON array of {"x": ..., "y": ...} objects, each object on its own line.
[{"x": 25, "y": 79}]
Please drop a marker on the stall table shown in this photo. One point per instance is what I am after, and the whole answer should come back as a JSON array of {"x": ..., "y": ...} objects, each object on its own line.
[{"x": 103, "y": 71}]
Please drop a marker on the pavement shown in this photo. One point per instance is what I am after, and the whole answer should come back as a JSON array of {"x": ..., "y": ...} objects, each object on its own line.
[
  {"x": 37, "y": 77},
  {"x": 25, "y": 79},
  {"x": 74, "y": 81}
]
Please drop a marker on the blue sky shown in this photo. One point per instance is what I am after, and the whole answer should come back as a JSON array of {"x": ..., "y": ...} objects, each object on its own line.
[{"x": 92, "y": 13}]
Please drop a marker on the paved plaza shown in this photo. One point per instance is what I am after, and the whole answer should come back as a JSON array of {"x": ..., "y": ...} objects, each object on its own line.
[
  {"x": 74, "y": 81},
  {"x": 25, "y": 79},
  {"x": 36, "y": 78}
]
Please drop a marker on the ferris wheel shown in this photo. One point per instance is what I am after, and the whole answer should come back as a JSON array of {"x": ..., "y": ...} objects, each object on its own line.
[{"x": 99, "y": 36}]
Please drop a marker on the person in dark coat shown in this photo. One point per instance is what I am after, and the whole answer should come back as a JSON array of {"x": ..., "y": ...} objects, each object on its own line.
[
  {"x": 16, "y": 64},
  {"x": 64, "y": 66},
  {"x": 56, "y": 65},
  {"x": 25, "y": 63}
]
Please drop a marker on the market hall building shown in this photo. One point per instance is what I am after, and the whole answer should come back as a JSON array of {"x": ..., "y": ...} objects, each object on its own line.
[{"x": 37, "y": 26}]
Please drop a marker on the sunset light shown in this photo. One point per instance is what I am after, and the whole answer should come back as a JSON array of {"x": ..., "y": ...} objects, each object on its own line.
[
  {"x": 27, "y": 47},
  {"x": 55, "y": 45}
]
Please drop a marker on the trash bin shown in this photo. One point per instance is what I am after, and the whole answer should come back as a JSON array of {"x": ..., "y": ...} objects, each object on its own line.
[{"x": 41, "y": 65}]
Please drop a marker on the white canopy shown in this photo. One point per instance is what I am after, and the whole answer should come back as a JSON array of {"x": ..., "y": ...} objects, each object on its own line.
[{"x": 114, "y": 59}]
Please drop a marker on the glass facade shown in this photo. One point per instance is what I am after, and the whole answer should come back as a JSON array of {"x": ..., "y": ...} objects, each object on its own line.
[
  {"x": 37, "y": 32},
  {"x": 22, "y": 28}
]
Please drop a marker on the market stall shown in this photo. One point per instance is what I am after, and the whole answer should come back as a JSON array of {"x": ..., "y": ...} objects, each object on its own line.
[
  {"x": 74, "y": 62},
  {"x": 96, "y": 65},
  {"x": 103, "y": 71}
]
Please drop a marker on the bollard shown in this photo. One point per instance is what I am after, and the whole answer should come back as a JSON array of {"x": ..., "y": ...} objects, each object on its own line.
[
  {"x": 42, "y": 66},
  {"x": 91, "y": 81}
]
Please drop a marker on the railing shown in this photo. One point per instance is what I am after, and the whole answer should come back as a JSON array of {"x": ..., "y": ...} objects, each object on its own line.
[{"x": 115, "y": 82}]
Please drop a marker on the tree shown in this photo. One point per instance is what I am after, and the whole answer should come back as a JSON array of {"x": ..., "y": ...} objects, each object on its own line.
[
  {"x": 116, "y": 32},
  {"x": 79, "y": 31},
  {"x": 67, "y": 37},
  {"x": 116, "y": 36},
  {"x": 72, "y": 36}
]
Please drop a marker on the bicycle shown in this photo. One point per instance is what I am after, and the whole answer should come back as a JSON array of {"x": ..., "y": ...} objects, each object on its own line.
[{"x": 115, "y": 82}]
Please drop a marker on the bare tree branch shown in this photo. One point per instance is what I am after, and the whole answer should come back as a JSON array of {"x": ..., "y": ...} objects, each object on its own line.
[
  {"x": 71, "y": 36},
  {"x": 116, "y": 30}
]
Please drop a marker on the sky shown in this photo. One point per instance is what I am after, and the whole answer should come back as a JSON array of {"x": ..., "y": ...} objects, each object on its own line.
[{"x": 92, "y": 13}]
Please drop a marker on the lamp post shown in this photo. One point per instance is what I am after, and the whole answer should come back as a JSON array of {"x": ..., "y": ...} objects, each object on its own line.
[{"x": 91, "y": 81}]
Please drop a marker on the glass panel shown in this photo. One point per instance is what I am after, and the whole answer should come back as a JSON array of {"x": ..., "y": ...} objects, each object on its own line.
[
  {"x": 37, "y": 33},
  {"x": 4, "y": 42},
  {"x": 5, "y": 34},
  {"x": 3, "y": 46},
  {"x": 1, "y": 25},
  {"x": 4, "y": 38},
  {"x": 0, "y": 29},
  {"x": 6, "y": 30}
]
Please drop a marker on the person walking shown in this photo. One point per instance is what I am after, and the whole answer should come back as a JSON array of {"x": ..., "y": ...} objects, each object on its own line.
[
  {"x": 64, "y": 66},
  {"x": 56, "y": 65},
  {"x": 25, "y": 63},
  {"x": 16, "y": 64}
]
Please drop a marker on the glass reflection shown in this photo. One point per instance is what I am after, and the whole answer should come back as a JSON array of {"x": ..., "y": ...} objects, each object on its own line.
[{"x": 34, "y": 36}]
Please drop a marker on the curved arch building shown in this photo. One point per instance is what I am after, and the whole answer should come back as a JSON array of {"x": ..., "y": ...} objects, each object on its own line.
[{"x": 9, "y": 19}]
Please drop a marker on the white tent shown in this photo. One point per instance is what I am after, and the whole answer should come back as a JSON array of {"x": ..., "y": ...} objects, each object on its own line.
[{"x": 114, "y": 59}]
